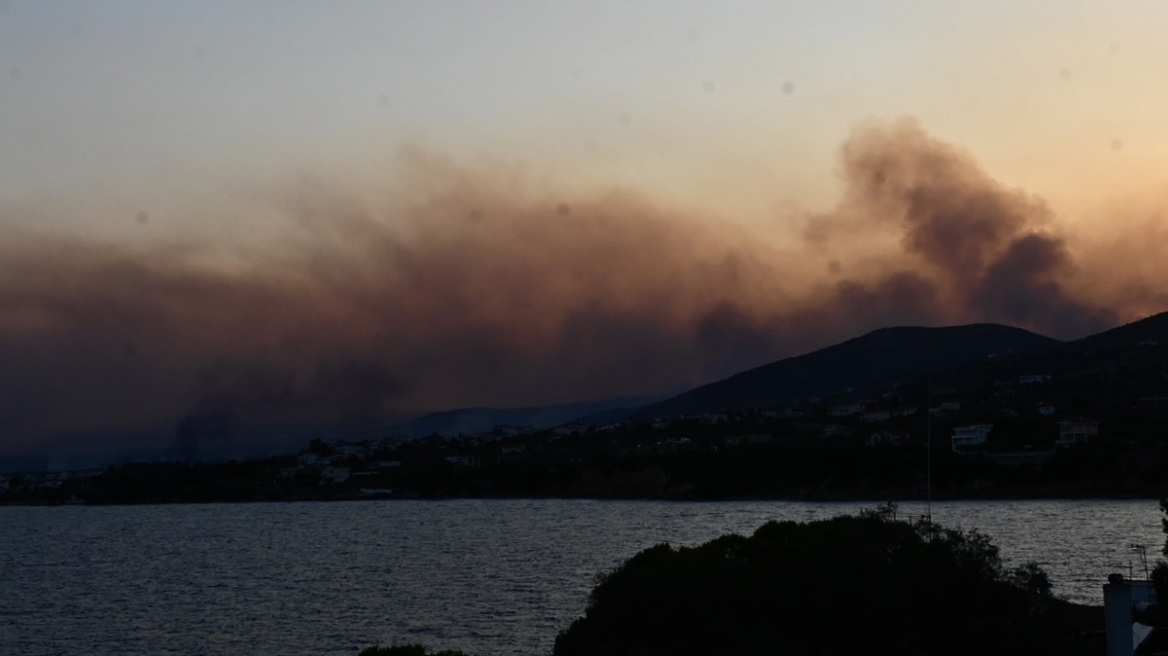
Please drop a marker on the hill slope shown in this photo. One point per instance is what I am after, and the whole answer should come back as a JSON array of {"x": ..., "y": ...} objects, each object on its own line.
[
  {"x": 881, "y": 356},
  {"x": 478, "y": 420}
]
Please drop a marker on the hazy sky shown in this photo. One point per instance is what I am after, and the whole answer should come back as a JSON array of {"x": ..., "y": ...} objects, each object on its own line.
[{"x": 293, "y": 211}]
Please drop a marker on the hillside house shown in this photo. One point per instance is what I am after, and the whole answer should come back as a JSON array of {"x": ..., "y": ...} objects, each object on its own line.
[
  {"x": 333, "y": 475},
  {"x": 967, "y": 438},
  {"x": 835, "y": 430},
  {"x": 889, "y": 437},
  {"x": 846, "y": 410},
  {"x": 354, "y": 448},
  {"x": 1046, "y": 409},
  {"x": 674, "y": 445},
  {"x": 1076, "y": 431}
]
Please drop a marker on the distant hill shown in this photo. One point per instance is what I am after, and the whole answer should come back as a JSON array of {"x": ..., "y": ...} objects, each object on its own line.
[
  {"x": 1150, "y": 329},
  {"x": 1132, "y": 354},
  {"x": 883, "y": 356},
  {"x": 479, "y": 420}
]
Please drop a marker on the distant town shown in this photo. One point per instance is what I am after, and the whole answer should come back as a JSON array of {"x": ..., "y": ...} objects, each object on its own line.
[
  {"x": 1087, "y": 418},
  {"x": 1030, "y": 436}
]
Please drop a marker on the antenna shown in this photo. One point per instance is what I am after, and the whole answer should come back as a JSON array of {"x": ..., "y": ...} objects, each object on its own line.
[
  {"x": 1143, "y": 552},
  {"x": 929, "y": 454}
]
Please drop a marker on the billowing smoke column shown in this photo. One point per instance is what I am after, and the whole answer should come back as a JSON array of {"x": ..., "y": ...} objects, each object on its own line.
[
  {"x": 452, "y": 286},
  {"x": 987, "y": 250}
]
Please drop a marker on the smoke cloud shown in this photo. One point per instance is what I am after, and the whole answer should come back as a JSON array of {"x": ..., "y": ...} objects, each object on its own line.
[
  {"x": 988, "y": 250},
  {"x": 450, "y": 286}
]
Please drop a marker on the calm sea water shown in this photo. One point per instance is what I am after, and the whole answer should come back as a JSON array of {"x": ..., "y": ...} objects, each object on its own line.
[{"x": 489, "y": 577}]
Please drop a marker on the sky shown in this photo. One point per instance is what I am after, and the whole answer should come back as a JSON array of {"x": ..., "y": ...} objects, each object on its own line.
[{"x": 219, "y": 216}]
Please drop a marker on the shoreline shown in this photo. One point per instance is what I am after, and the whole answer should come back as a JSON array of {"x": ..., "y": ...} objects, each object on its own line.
[{"x": 807, "y": 498}]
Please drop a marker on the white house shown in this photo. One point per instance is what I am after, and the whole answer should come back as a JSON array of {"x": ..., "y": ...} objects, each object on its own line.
[
  {"x": 966, "y": 437},
  {"x": 1076, "y": 431}
]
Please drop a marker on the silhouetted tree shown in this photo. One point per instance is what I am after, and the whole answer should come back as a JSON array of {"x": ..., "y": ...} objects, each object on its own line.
[{"x": 849, "y": 585}]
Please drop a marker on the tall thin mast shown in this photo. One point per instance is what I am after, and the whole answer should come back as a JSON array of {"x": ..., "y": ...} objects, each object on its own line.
[{"x": 929, "y": 455}]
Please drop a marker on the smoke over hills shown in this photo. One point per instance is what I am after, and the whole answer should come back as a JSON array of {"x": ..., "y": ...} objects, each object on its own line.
[{"x": 451, "y": 286}]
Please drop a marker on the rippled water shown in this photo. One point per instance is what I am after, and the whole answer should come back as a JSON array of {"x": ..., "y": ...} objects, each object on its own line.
[{"x": 489, "y": 577}]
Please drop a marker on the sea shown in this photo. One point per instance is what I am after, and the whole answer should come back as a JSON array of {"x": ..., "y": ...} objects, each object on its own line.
[{"x": 489, "y": 577}]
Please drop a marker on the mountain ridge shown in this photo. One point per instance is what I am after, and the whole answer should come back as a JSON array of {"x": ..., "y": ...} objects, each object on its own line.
[{"x": 884, "y": 355}]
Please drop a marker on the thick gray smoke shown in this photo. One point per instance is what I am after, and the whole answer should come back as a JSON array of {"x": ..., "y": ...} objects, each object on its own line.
[{"x": 452, "y": 286}]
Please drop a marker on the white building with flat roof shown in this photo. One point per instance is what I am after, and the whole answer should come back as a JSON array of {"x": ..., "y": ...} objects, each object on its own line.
[{"x": 965, "y": 438}]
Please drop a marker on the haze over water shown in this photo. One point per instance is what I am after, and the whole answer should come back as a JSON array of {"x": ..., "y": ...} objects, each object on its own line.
[{"x": 489, "y": 577}]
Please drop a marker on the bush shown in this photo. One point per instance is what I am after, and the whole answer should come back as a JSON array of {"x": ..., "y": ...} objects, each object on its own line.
[{"x": 848, "y": 585}]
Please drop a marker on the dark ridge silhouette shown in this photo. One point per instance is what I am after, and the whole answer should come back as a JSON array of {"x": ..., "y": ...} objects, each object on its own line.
[
  {"x": 879, "y": 357},
  {"x": 1149, "y": 329},
  {"x": 478, "y": 420},
  {"x": 1131, "y": 354}
]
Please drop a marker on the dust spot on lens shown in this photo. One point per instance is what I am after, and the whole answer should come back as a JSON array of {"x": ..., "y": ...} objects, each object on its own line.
[
  {"x": 383, "y": 100},
  {"x": 142, "y": 217},
  {"x": 563, "y": 209},
  {"x": 788, "y": 88},
  {"x": 130, "y": 349},
  {"x": 1065, "y": 74},
  {"x": 834, "y": 266},
  {"x": 708, "y": 86},
  {"x": 1117, "y": 144},
  {"x": 624, "y": 120}
]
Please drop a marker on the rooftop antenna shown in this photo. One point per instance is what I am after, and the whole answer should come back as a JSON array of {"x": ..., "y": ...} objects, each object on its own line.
[{"x": 1143, "y": 552}]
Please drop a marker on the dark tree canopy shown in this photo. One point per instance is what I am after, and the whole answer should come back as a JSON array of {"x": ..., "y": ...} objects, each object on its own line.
[{"x": 849, "y": 585}]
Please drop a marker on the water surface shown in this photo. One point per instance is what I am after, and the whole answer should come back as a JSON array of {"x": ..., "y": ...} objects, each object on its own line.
[{"x": 491, "y": 577}]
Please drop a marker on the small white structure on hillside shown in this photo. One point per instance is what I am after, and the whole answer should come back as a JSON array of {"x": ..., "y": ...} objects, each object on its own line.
[
  {"x": 965, "y": 438},
  {"x": 1077, "y": 431}
]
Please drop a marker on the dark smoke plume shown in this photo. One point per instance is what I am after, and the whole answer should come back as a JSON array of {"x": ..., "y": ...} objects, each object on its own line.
[
  {"x": 988, "y": 249},
  {"x": 452, "y": 286}
]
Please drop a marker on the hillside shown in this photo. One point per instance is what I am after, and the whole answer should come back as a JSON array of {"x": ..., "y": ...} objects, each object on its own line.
[
  {"x": 479, "y": 420},
  {"x": 882, "y": 356}
]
